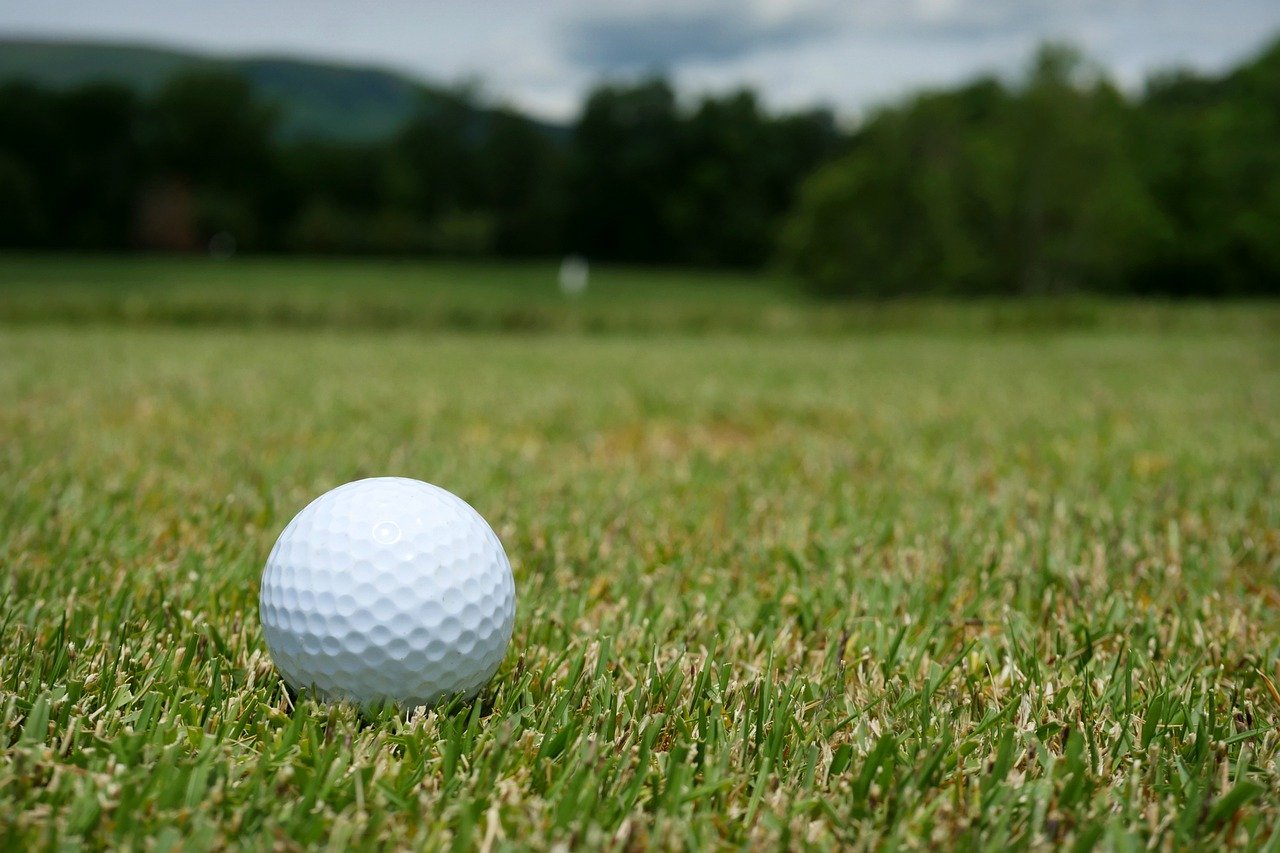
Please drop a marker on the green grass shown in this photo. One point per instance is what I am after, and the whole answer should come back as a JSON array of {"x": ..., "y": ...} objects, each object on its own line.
[
  {"x": 474, "y": 297},
  {"x": 775, "y": 588}
]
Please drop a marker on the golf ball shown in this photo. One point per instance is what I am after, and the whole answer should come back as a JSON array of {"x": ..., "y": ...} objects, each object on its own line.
[{"x": 387, "y": 590}]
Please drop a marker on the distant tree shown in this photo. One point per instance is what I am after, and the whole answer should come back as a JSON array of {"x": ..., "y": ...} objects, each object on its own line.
[
  {"x": 434, "y": 154},
  {"x": 23, "y": 222},
  {"x": 736, "y": 174},
  {"x": 30, "y": 153},
  {"x": 1210, "y": 152},
  {"x": 1053, "y": 183},
  {"x": 69, "y": 162},
  {"x": 206, "y": 132},
  {"x": 521, "y": 176},
  {"x": 622, "y": 166},
  {"x": 982, "y": 190},
  {"x": 104, "y": 161},
  {"x": 1083, "y": 216},
  {"x": 208, "y": 127},
  {"x": 357, "y": 178},
  {"x": 900, "y": 213},
  {"x": 652, "y": 182},
  {"x": 720, "y": 206}
]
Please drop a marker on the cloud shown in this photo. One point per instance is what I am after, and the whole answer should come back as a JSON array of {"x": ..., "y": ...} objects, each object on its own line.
[
  {"x": 668, "y": 34},
  {"x": 853, "y": 54},
  {"x": 546, "y": 55},
  {"x": 664, "y": 38}
]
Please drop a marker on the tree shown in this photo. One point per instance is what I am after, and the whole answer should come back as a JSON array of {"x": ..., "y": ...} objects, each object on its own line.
[
  {"x": 208, "y": 136},
  {"x": 1082, "y": 214},
  {"x": 983, "y": 190},
  {"x": 30, "y": 153},
  {"x": 102, "y": 165},
  {"x": 653, "y": 182},
  {"x": 1210, "y": 152},
  {"x": 623, "y": 161},
  {"x": 436, "y": 153},
  {"x": 914, "y": 207},
  {"x": 521, "y": 174}
]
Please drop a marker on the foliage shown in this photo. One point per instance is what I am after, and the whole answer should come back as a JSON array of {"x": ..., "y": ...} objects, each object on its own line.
[
  {"x": 639, "y": 178},
  {"x": 1211, "y": 152},
  {"x": 1054, "y": 185},
  {"x": 979, "y": 590},
  {"x": 651, "y": 182}
]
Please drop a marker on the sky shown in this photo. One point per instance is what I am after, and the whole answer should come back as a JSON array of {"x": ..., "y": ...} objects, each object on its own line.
[{"x": 543, "y": 55}]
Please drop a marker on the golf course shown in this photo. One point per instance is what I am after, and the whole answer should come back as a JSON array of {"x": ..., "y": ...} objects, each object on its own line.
[{"x": 790, "y": 572}]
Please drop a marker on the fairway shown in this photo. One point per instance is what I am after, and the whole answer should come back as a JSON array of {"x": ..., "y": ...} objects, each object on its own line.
[{"x": 790, "y": 582}]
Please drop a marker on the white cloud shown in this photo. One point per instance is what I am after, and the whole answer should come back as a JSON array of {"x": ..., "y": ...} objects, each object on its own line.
[{"x": 545, "y": 55}]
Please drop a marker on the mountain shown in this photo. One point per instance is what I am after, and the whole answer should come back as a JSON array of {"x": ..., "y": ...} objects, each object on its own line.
[{"x": 318, "y": 100}]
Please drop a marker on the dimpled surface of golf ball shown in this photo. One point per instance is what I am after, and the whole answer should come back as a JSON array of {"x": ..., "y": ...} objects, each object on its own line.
[{"x": 387, "y": 590}]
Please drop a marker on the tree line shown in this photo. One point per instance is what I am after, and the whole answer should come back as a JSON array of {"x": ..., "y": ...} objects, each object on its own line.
[
  {"x": 639, "y": 177},
  {"x": 1055, "y": 182}
]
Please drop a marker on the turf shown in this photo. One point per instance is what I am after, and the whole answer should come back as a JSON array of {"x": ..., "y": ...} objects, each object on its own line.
[
  {"x": 775, "y": 588},
  {"x": 389, "y": 295}
]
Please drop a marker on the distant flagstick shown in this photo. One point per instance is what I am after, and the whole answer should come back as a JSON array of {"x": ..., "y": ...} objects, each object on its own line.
[{"x": 574, "y": 275}]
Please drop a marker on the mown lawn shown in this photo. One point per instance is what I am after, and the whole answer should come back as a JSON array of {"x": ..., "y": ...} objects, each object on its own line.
[
  {"x": 388, "y": 295},
  {"x": 775, "y": 586}
]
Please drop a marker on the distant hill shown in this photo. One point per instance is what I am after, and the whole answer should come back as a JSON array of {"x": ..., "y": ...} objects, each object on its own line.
[{"x": 317, "y": 100}]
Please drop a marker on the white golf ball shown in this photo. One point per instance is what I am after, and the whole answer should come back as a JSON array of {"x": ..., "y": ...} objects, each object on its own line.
[{"x": 387, "y": 590}]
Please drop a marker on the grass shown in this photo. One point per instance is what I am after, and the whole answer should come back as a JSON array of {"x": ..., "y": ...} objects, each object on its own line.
[
  {"x": 523, "y": 298},
  {"x": 775, "y": 588}
]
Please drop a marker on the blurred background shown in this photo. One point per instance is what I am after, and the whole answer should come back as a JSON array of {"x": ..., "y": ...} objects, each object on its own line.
[{"x": 933, "y": 147}]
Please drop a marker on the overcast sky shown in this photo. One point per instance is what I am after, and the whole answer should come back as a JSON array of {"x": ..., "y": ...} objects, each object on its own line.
[{"x": 543, "y": 54}]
